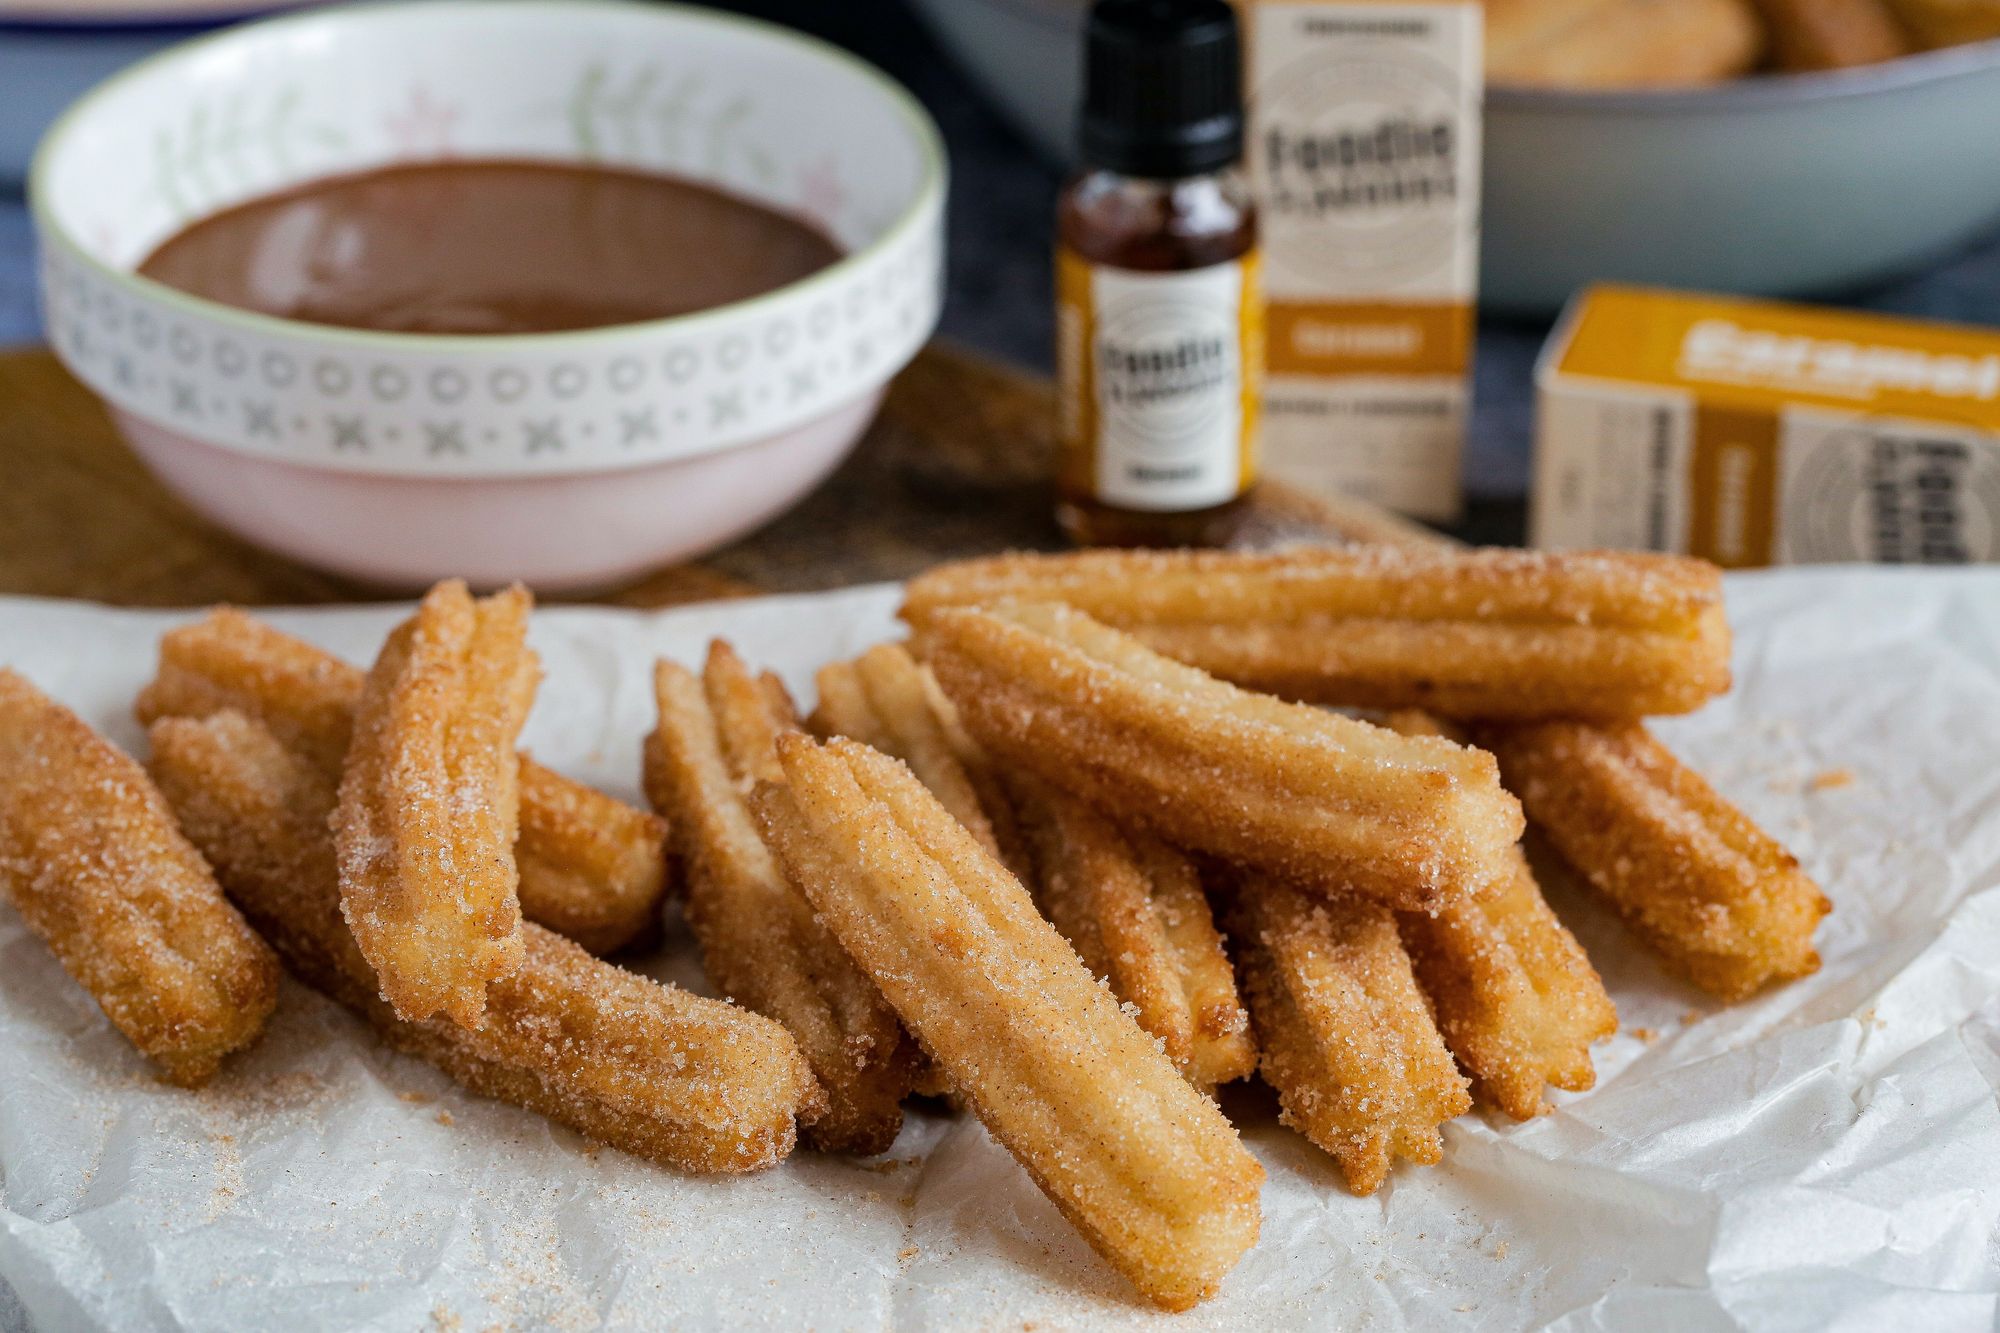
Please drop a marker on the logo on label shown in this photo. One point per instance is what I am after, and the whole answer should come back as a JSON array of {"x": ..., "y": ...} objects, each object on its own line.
[
  {"x": 1167, "y": 365},
  {"x": 1359, "y": 164},
  {"x": 1166, "y": 369},
  {"x": 1899, "y": 497}
]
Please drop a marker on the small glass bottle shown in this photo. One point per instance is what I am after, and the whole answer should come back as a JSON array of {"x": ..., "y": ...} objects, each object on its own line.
[{"x": 1159, "y": 337}]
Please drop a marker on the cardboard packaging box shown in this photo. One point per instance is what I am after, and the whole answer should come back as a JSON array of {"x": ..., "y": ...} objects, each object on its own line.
[
  {"x": 1364, "y": 143},
  {"x": 1754, "y": 433}
]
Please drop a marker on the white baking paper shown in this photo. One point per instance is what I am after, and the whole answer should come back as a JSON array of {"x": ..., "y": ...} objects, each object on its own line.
[{"x": 1827, "y": 1157}]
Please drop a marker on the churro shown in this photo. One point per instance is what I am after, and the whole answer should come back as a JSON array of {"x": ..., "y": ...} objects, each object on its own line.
[
  {"x": 1143, "y": 1165},
  {"x": 1949, "y": 22},
  {"x": 760, "y": 942},
  {"x": 1722, "y": 902},
  {"x": 1133, "y": 909},
  {"x": 1324, "y": 799},
  {"x": 1620, "y": 43},
  {"x": 91, "y": 859},
  {"x": 888, "y": 700},
  {"x": 1512, "y": 991},
  {"x": 1345, "y": 1037},
  {"x": 650, "y": 1069},
  {"x": 1832, "y": 34},
  {"x": 591, "y": 867},
  {"x": 430, "y": 803},
  {"x": 1484, "y": 633}
]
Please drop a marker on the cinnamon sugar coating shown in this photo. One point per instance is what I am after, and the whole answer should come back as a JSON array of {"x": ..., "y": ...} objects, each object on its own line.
[
  {"x": 681, "y": 1080},
  {"x": 90, "y": 857},
  {"x": 761, "y": 943}
]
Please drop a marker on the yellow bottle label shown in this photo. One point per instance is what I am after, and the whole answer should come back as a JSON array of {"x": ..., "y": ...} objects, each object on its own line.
[{"x": 1159, "y": 376}]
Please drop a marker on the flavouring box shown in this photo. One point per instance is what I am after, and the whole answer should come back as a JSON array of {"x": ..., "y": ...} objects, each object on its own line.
[
  {"x": 1754, "y": 433},
  {"x": 1364, "y": 145}
]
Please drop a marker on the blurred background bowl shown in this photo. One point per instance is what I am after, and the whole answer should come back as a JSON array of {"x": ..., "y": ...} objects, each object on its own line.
[
  {"x": 1776, "y": 185},
  {"x": 1779, "y": 185},
  {"x": 565, "y": 460}
]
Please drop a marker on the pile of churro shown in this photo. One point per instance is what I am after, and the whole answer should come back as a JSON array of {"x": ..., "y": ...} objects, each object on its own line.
[
  {"x": 1107, "y": 832},
  {"x": 1689, "y": 43}
]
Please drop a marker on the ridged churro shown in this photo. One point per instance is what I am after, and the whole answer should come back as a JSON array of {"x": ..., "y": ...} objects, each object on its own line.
[
  {"x": 1320, "y": 798},
  {"x": 430, "y": 803},
  {"x": 760, "y": 941},
  {"x": 592, "y": 868},
  {"x": 91, "y": 859},
  {"x": 1134, "y": 910},
  {"x": 1720, "y": 899},
  {"x": 685, "y": 1081},
  {"x": 1344, "y": 1034},
  {"x": 1485, "y": 633},
  {"x": 1512, "y": 991},
  {"x": 1146, "y": 1167},
  {"x": 887, "y": 699}
]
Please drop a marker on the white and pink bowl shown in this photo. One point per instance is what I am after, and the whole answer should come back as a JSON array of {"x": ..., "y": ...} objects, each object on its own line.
[{"x": 564, "y": 460}]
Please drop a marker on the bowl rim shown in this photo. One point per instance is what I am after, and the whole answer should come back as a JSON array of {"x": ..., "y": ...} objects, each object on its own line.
[
  {"x": 926, "y": 200},
  {"x": 1756, "y": 91}
]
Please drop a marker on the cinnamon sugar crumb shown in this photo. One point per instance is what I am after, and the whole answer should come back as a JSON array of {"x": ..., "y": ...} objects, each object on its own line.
[
  {"x": 445, "y": 1118},
  {"x": 1646, "y": 1035},
  {"x": 1831, "y": 779}
]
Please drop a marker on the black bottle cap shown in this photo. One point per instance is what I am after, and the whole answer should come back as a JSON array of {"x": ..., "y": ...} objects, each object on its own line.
[{"x": 1163, "y": 88}]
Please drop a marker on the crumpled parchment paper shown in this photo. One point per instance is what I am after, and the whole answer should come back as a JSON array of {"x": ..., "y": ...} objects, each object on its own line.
[{"x": 1826, "y": 1157}]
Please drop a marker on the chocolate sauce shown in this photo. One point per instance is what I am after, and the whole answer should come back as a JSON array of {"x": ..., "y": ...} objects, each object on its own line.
[{"x": 490, "y": 247}]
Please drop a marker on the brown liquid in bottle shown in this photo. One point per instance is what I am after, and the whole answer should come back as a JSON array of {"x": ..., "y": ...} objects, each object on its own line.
[{"x": 1153, "y": 227}]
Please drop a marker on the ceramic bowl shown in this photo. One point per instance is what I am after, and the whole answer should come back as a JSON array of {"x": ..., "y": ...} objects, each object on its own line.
[
  {"x": 1793, "y": 185},
  {"x": 565, "y": 460}
]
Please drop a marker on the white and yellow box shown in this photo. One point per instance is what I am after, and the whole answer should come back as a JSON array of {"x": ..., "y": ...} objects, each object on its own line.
[
  {"x": 1364, "y": 142},
  {"x": 1754, "y": 433}
]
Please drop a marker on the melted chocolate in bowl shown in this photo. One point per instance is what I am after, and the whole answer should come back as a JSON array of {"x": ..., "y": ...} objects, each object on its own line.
[{"x": 490, "y": 247}]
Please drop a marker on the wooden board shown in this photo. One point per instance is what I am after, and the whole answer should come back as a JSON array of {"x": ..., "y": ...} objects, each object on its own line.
[{"x": 958, "y": 464}]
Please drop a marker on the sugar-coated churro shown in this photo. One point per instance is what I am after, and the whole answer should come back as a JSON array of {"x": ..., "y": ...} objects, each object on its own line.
[
  {"x": 886, "y": 699},
  {"x": 430, "y": 803},
  {"x": 91, "y": 859},
  {"x": 592, "y": 868},
  {"x": 1513, "y": 992},
  {"x": 650, "y": 1069},
  {"x": 1345, "y": 1037},
  {"x": 1720, "y": 899},
  {"x": 1486, "y": 633},
  {"x": 1324, "y": 799},
  {"x": 1134, "y": 910},
  {"x": 1146, "y": 1167},
  {"x": 760, "y": 941}
]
